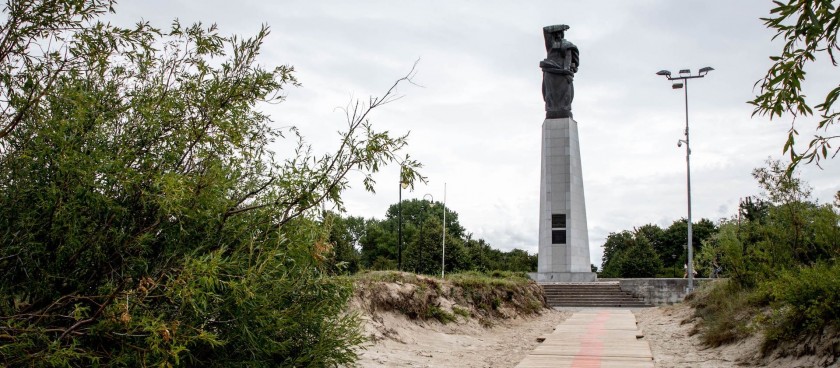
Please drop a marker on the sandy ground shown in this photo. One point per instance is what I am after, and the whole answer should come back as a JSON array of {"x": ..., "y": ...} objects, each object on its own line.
[
  {"x": 672, "y": 346},
  {"x": 398, "y": 342}
]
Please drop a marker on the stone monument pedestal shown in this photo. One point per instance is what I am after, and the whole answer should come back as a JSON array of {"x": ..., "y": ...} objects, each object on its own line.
[{"x": 564, "y": 238}]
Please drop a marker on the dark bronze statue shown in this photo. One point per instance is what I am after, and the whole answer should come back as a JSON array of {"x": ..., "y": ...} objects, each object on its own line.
[{"x": 559, "y": 69}]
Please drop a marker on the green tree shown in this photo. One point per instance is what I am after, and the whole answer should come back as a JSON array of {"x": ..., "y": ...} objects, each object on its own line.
[
  {"x": 675, "y": 240},
  {"x": 146, "y": 222},
  {"x": 378, "y": 246},
  {"x": 615, "y": 244},
  {"x": 798, "y": 229},
  {"x": 808, "y": 29},
  {"x": 345, "y": 235},
  {"x": 425, "y": 251},
  {"x": 422, "y": 243},
  {"x": 631, "y": 255},
  {"x": 656, "y": 237},
  {"x": 520, "y": 261},
  {"x": 753, "y": 209},
  {"x": 416, "y": 211},
  {"x": 614, "y": 248}
]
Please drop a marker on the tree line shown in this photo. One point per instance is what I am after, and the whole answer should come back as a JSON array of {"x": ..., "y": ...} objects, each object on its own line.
[
  {"x": 651, "y": 251},
  {"x": 373, "y": 244},
  {"x": 778, "y": 229}
]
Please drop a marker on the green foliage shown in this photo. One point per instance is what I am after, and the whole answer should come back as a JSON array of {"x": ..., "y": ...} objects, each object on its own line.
[
  {"x": 344, "y": 237},
  {"x": 668, "y": 245},
  {"x": 807, "y": 28},
  {"x": 441, "y": 315},
  {"x": 631, "y": 255},
  {"x": 44, "y": 41},
  {"x": 780, "y": 257},
  {"x": 483, "y": 257},
  {"x": 656, "y": 237},
  {"x": 460, "y": 311},
  {"x": 416, "y": 211},
  {"x": 494, "y": 278},
  {"x": 726, "y": 311},
  {"x": 379, "y": 245},
  {"x": 145, "y": 221},
  {"x": 804, "y": 301},
  {"x": 726, "y": 249},
  {"x": 422, "y": 246},
  {"x": 423, "y": 254}
]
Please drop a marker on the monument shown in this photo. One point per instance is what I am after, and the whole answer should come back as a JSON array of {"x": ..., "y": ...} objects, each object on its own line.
[{"x": 563, "y": 239}]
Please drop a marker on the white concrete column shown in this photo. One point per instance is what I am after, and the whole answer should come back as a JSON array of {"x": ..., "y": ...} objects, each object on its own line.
[{"x": 564, "y": 236}]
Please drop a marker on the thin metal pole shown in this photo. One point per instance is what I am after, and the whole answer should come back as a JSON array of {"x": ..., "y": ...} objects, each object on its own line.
[
  {"x": 418, "y": 240},
  {"x": 688, "y": 186},
  {"x": 399, "y": 214},
  {"x": 443, "y": 242}
]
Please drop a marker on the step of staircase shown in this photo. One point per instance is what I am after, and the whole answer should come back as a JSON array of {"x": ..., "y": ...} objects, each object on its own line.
[{"x": 591, "y": 294}]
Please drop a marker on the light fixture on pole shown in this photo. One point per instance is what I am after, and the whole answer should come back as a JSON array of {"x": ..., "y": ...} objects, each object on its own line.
[{"x": 677, "y": 83}]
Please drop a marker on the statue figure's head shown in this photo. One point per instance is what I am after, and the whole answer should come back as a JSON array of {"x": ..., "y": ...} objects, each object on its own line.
[{"x": 554, "y": 35}]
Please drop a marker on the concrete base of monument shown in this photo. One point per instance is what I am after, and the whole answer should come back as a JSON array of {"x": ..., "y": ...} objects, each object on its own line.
[{"x": 563, "y": 276}]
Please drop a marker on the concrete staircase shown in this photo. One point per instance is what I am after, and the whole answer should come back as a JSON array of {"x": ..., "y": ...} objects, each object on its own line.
[{"x": 590, "y": 294}]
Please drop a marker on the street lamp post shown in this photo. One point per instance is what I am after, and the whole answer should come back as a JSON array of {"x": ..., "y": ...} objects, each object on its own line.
[
  {"x": 443, "y": 238},
  {"x": 679, "y": 82}
]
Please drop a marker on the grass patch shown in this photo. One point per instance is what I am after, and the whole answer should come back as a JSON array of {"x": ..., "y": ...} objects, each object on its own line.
[
  {"x": 460, "y": 311},
  {"x": 725, "y": 311},
  {"x": 441, "y": 315}
]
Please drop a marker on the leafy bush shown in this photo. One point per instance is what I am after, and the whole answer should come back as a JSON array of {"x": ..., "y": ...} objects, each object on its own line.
[
  {"x": 144, "y": 220},
  {"x": 780, "y": 258},
  {"x": 804, "y": 301}
]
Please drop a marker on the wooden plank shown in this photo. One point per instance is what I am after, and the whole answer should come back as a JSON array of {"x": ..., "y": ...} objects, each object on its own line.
[
  {"x": 617, "y": 350},
  {"x": 597, "y": 338}
]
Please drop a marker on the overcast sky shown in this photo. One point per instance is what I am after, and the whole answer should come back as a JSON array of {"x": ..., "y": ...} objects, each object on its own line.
[{"x": 475, "y": 122}]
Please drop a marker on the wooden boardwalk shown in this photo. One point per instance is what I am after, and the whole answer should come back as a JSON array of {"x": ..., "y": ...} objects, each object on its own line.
[{"x": 592, "y": 339}]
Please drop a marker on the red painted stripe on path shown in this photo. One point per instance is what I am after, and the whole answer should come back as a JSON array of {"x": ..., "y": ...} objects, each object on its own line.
[{"x": 592, "y": 345}]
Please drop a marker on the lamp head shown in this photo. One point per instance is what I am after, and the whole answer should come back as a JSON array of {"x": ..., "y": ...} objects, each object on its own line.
[
  {"x": 705, "y": 70},
  {"x": 677, "y": 85},
  {"x": 664, "y": 72},
  {"x": 679, "y": 143},
  {"x": 685, "y": 72}
]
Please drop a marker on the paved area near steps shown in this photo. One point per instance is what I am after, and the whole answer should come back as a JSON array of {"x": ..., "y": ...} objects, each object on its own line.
[{"x": 605, "y": 338}]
